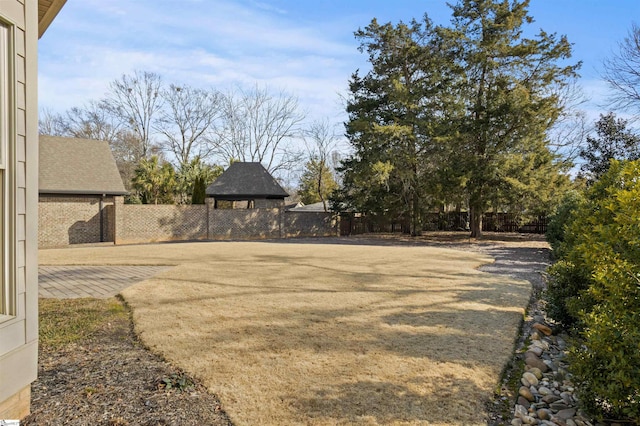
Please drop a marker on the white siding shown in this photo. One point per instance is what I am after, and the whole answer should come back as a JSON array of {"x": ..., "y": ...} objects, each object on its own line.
[{"x": 18, "y": 336}]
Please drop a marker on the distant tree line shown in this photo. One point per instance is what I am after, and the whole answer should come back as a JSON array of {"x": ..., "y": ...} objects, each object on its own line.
[{"x": 169, "y": 139}]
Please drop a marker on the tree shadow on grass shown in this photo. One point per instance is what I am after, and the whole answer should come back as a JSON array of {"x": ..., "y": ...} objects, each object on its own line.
[
  {"x": 469, "y": 328},
  {"x": 375, "y": 402}
]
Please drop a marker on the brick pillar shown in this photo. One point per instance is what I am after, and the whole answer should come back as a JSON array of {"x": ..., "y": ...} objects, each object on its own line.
[
  {"x": 210, "y": 203},
  {"x": 118, "y": 219}
]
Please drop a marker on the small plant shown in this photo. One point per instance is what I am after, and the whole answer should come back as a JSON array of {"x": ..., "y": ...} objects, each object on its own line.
[
  {"x": 179, "y": 382},
  {"x": 90, "y": 390}
]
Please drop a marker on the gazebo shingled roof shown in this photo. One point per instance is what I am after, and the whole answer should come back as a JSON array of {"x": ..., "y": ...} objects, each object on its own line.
[{"x": 246, "y": 181}]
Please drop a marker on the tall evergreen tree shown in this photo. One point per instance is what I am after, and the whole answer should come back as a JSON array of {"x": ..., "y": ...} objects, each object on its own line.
[
  {"x": 395, "y": 114},
  {"x": 199, "y": 191},
  {"x": 613, "y": 141},
  {"x": 453, "y": 114},
  {"x": 505, "y": 81},
  {"x": 316, "y": 183}
]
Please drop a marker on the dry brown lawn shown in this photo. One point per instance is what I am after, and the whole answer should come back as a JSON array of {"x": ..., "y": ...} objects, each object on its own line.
[{"x": 290, "y": 333}]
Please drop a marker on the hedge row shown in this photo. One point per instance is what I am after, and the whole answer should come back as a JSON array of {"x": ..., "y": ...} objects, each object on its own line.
[{"x": 594, "y": 289}]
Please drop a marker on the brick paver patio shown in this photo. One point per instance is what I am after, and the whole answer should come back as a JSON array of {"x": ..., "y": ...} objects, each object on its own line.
[{"x": 69, "y": 282}]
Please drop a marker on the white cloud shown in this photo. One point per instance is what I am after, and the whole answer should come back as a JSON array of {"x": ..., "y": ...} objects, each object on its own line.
[{"x": 206, "y": 44}]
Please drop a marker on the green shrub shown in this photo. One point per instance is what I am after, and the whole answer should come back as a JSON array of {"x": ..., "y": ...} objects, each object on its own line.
[
  {"x": 560, "y": 220},
  {"x": 603, "y": 247},
  {"x": 567, "y": 294},
  {"x": 606, "y": 365}
]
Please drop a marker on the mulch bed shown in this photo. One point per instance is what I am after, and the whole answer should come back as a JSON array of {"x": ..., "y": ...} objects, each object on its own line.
[{"x": 112, "y": 379}]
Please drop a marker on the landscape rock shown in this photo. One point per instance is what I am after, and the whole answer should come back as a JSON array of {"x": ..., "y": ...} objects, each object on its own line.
[
  {"x": 567, "y": 413},
  {"x": 536, "y": 350},
  {"x": 526, "y": 393},
  {"x": 520, "y": 411},
  {"x": 536, "y": 372},
  {"x": 558, "y": 406},
  {"x": 543, "y": 390},
  {"x": 544, "y": 414},
  {"x": 543, "y": 329},
  {"x": 547, "y": 395},
  {"x": 531, "y": 378},
  {"x": 532, "y": 360},
  {"x": 551, "y": 398},
  {"x": 566, "y": 397},
  {"x": 524, "y": 402},
  {"x": 541, "y": 344}
]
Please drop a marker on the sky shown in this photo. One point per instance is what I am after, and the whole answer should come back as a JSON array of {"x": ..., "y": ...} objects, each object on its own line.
[{"x": 305, "y": 48}]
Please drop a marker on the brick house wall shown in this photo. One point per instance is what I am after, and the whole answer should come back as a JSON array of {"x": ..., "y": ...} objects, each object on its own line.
[{"x": 74, "y": 219}]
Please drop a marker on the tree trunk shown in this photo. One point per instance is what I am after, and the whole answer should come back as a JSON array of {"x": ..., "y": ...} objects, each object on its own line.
[
  {"x": 475, "y": 222},
  {"x": 416, "y": 222}
]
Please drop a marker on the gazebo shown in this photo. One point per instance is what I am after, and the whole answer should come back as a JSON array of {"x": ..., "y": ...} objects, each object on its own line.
[{"x": 246, "y": 185}]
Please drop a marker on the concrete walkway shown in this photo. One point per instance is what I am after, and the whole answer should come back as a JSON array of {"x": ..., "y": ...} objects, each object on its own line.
[{"x": 70, "y": 282}]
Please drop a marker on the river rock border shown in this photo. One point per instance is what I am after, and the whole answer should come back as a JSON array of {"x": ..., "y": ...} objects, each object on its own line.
[{"x": 546, "y": 394}]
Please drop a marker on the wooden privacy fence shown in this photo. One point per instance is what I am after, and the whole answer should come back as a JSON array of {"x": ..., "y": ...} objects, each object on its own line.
[
  {"x": 351, "y": 224},
  {"x": 507, "y": 222}
]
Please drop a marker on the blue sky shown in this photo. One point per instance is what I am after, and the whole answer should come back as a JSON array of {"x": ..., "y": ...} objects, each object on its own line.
[{"x": 304, "y": 47}]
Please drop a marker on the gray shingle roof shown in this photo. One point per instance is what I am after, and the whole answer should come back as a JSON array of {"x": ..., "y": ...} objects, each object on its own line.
[
  {"x": 311, "y": 208},
  {"x": 77, "y": 166},
  {"x": 243, "y": 181}
]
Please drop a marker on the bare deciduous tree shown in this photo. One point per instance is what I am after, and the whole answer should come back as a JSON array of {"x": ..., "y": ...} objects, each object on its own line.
[
  {"x": 571, "y": 127},
  {"x": 189, "y": 115},
  {"x": 136, "y": 101},
  {"x": 93, "y": 121},
  {"x": 51, "y": 123},
  {"x": 622, "y": 72},
  {"x": 321, "y": 140},
  {"x": 257, "y": 125}
]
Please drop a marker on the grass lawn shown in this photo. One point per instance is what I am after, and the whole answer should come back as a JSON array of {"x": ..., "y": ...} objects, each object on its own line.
[{"x": 288, "y": 333}]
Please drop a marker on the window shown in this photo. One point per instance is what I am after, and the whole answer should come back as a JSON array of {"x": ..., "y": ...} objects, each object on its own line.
[{"x": 5, "y": 290}]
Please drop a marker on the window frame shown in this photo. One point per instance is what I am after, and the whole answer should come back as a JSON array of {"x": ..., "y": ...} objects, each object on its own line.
[
  {"x": 5, "y": 93},
  {"x": 7, "y": 129}
]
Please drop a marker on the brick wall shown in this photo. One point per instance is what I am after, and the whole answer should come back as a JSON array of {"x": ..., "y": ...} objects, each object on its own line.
[
  {"x": 64, "y": 220},
  {"x": 73, "y": 220},
  {"x": 309, "y": 224},
  {"x": 244, "y": 224},
  {"x": 148, "y": 223}
]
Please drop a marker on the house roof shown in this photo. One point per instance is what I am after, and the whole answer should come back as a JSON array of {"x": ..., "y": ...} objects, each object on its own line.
[
  {"x": 312, "y": 208},
  {"x": 243, "y": 181},
  {"x": 77, "y": 166},
  {"x": 47, "y": 11}
]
